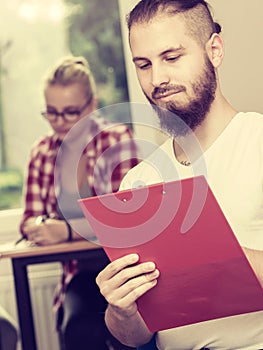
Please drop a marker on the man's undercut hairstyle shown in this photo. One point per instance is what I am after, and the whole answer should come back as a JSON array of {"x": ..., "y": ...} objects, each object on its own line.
[{"x": 197, "y": 14}]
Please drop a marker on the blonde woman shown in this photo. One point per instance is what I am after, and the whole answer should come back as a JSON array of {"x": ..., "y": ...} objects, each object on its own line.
[{"x": 79, "y": 139}]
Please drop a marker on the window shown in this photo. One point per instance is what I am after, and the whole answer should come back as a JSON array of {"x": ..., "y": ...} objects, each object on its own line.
[{"x": 34, "y": 34}]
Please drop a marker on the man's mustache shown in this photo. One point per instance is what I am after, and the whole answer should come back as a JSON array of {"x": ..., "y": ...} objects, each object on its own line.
[{"x": 159, "y": 92}]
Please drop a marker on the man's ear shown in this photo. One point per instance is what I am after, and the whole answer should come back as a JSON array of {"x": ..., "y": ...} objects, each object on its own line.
[{"x": 215, "y": 49}]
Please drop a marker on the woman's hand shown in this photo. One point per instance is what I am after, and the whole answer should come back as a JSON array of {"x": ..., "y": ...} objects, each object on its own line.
[{"x": 51, "y": 231}]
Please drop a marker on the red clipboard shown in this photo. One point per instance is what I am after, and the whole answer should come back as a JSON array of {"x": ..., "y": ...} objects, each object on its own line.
[{"x": 179, "y": 225}]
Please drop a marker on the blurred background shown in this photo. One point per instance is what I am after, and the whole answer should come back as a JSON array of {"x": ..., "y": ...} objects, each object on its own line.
[{"x": 33, "y": 35}]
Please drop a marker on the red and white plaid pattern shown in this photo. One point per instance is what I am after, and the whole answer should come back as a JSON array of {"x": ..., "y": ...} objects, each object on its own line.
[{"x": 40, "y": 196}]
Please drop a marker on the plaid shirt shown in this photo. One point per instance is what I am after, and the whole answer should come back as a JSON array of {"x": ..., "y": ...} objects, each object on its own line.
[{"x": 104, "y": 139}]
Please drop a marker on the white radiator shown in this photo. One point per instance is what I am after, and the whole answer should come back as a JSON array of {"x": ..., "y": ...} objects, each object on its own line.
[
  {"x": 42, "y": 285},
  {"x": 43, "y": 279}
]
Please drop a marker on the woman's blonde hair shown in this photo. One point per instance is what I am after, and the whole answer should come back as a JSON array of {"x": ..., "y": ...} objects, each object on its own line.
[{"x": 70, "y": 70}]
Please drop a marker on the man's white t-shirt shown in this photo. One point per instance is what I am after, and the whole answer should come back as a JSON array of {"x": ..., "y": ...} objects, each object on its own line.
[{"x": 233, "y": 166}]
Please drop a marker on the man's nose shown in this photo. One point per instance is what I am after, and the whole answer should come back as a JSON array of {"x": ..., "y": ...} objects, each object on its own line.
[{"x": 159, "y": 76}]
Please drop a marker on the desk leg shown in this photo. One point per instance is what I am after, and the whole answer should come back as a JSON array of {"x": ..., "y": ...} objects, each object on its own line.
[{"x": 24, "y": 306}]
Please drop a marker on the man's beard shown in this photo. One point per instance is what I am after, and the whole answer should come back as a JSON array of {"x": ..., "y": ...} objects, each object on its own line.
[{"x": 181, "y": 121}]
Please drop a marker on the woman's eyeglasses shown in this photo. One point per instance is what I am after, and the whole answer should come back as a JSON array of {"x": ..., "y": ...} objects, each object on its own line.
[{"x": 69, "y": 115}]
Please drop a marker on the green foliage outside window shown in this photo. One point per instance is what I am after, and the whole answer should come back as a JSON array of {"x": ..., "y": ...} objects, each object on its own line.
[
  {"x": 10, "y": 188},
  {"x": 94, "y": 32}
]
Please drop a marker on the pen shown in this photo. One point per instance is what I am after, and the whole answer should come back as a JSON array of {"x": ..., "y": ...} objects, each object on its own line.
[
  {"x": 39, "y": 220},
  {"x": 20, "y": 240}
]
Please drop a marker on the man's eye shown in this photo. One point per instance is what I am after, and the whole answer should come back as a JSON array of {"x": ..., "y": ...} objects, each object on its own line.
[
  {"x": 172, "y": 58},
  {"x": 143, "y": 66}
]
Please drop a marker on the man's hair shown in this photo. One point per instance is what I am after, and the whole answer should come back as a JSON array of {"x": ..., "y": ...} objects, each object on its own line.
[
  {"x": 70, "y": 70},
  {"x": 197, "y": 14}
]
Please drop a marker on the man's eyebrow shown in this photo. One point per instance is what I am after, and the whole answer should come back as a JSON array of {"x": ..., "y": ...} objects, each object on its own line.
[
  {"x": 135, "y": 59},
  {"x": 176, "y": 50}
]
